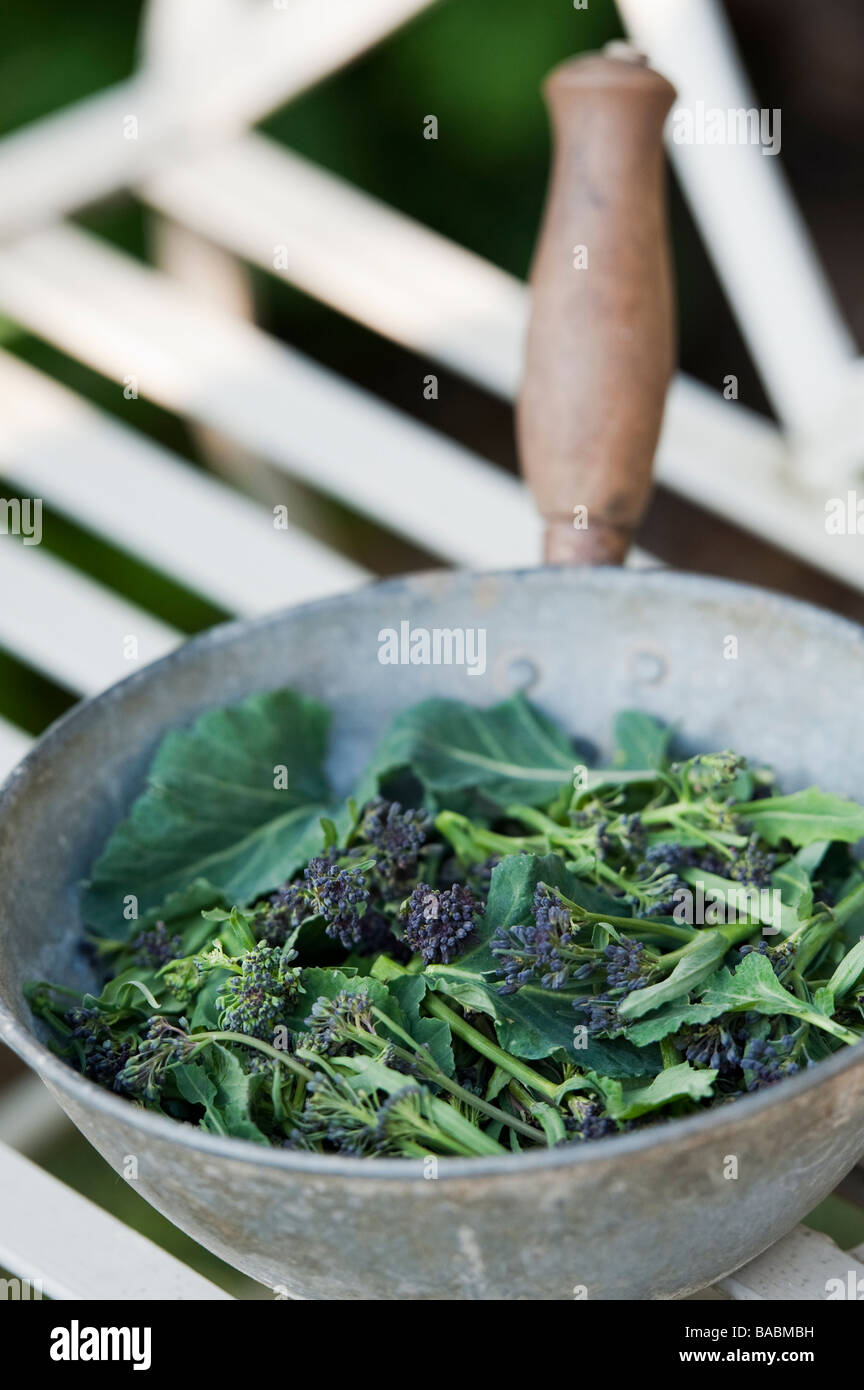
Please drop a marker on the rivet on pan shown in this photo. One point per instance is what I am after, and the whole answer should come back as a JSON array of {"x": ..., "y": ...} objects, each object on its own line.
[
  {"x": 648, "y": 667},
  {"x": 522, "y": 673}
]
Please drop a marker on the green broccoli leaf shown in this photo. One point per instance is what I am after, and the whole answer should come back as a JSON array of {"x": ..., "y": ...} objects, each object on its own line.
[
  {"x": 692, "y": 970},
  {"x": 181, "y": 911},
  {"x": 823, "y": 1000},
  {"x": 755, "y": 986},
  {"x": 683, "y": 1082},
  {"x": 219, "y": 808},
  {"x": 218, "y": 1082},
  {"x": 641, "y": 741},
  {"x": 465, "y": 757},
  {"x": 729, "y": 900},
  {"x": 132, "y": 990},
  {"x": 602, "y": 779},
  {"x": 368, "y": 1074},
  {"x": 206, "y": 1011},
  {"x": 796, "y": 892},
  {"x": 194, "y": 1084},
  {"x": 848, "y": 972},
  {"x": 810, "y": 857},
  {"x": 670, "y": 1019},
  {"x": 804, "y": 818},
  {"x": 432, "y": 1034},
  {"x": 752, "y": 985}
]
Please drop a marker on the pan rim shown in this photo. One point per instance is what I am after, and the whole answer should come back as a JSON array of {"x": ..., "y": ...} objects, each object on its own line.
[{"x": 91, "y": 1097}]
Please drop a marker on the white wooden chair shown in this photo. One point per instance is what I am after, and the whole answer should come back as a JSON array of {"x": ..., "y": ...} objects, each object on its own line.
[{"x": 179, "y": 134}]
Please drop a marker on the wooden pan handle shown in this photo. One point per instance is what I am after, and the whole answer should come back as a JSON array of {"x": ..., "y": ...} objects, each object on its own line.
[{"x": 600, "y": 349}]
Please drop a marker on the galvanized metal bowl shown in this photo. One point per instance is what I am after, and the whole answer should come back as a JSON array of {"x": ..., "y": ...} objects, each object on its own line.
[{"x": 652, "y": 1214}]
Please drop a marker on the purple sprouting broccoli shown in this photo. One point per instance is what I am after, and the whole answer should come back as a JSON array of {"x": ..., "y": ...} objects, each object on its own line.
[
  {"x": 438, "y": 922},
  {"x": 257, "y": 999},
  {"x": 396, "y": 837},
  {"x": 155, "y": 946},
  {"x": 340, "y": 895},
  {"x": 144, "y": 1071}
]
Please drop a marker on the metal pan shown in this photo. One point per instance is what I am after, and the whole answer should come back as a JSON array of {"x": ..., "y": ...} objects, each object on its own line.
[{"x": 646, "y": 1215}]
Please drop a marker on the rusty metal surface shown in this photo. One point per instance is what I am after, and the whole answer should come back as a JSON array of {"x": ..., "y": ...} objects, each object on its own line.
[{"x": 649, "y": 1214}]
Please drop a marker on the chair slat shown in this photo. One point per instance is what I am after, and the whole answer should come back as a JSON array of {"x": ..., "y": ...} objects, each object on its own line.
[
  {"x": 116, "y": 482},
  {"x": 70, "y": 627},
  {"x": 800, "y": 1266},
  {"x": 127, "y": 320},
  {"x": 50, "y": 1233},
  {"x": 746, "y": 213},
  {"x": 413, "y": 285},
  {"x": 89, "y": 150}
]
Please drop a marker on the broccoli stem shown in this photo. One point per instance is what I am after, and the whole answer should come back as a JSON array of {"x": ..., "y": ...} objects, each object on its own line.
[
  {"x": 434, "y": 1005},
  {"x": 811, "y": 935},
  {"x": 488, "y": 1049},
  {"x": 284, "y": 1058},
  {"x": 482, "y": 1144},
  {"x": 734, "y": 933},
  {"x": 848, "y": 906},
  {"x": 422, "y": 1059},
  {"x": 469, "y": 839},
  {"x": 643, "y": 925}
]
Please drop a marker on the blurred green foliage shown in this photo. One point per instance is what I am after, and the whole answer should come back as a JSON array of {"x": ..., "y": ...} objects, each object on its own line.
[
  {"x": 54, "y": 53},
  {"x": 478, "y": 65}
]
